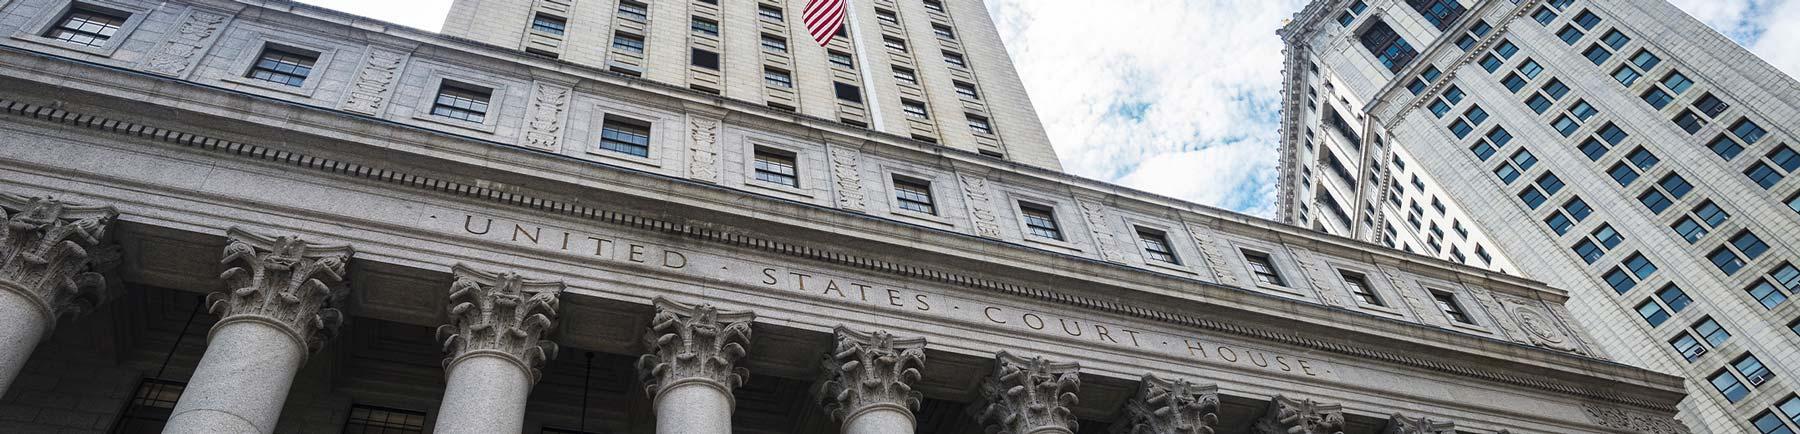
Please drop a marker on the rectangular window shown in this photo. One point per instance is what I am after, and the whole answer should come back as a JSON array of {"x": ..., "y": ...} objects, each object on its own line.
[
  {"x": 1570, "y": 34},
  {"x": 1559, "y": 223},
  {"x": 1654, "y": 200},
  {"x": 914, "y": 195},
  {"x": 1642, "y": 158},
  {"x": 1768, "y": 423},
  {"x": 1588, "y": 251},
  {"x": 776, "y": 167},
  {"x": 1491, "y": 63},
  {"x": 704, "y": 26},
  {"x": 1565, "y": 125},
  {"x": 1711, "y": 332},
  {"x": 1748, "y": 243},
  {"x": 774, "y": 44},
  {"x": 848, "y": 92},
  {"x": 980, "y": 124},
  {"x": 1729, "y": 386},
  {"x": 1448, "y": 304},
  {"x": 1532, "y": 197},
  {"x": 150, "y": 406},
  {"x": 1725, "y": 147},
  {"x": 461, "y": 101},
  {"x": 966, "y": 90},
  {"x": 1544, "y": 15},
  {"x": 1440, "y": 13},
  {"x": 1752, "y": 369},
  {"x": 1675, "y": 185},
  {"x": 778, "y": 78},
  {"x": 548, "y": 24},
  {"x": 705, "y": 59},
  {"x": 1640, "y": 266},
  {"x": 1688, "y": 347},
  {"x": 1550, "y": 183},
  {"x": 943, "y": 31},
  {"x": 1659, "y": 99},
  {"x": 1359, "y": 286},
  {"x": 1620, "y": 281},
  {"x": 87, "y": 27},
  {"x": 956, "y": 60},
  {"x": 1646, "y": 60},
  {"x": 1689, "y": 229},
  {"x": 1676, "y": 82},
  {"x": 893, "y": 43},
  {"x": 1726, "y": 260},
  {"x": 628, "y": 42},
  {"x": 937, "y": 6},
  {"x": 1537, "y": 103},
  {"x": 1530, "y": 68},
  {"x": 1763, "y": 175},
  {"x": 1156, "y": 246},
  {"x": 1747, "y": 130},
  {"x": 1597, "y": 54},
  {"x": 1506, "y": 172},
  {"x": 905, "y": 75},
  {"x": 914, "y": 109},
  {"x": 626, "y": 136},
  {"x": 1652, "y": 313},
  {"x": 1387, "y": 46},
  {"x": 1587, "y": 20},
  {"x": 1674, "y": 297},
  {"x": 1623, "y": 174},
  {"x": 1578, "y": 209},
  {"x": 1040, "y": 221},
  {"x": 1766, "y": 294},
  {"x": 634, "y": 11},
  {"x": 1608, "y": 237},
  {"x": 1593, "y": 149},
  {"x": 1263, "y": 269},
  {"x": 1556, "y": 89},
  {"x": 1512, "y": 82},
  {"x": 1615, "y": 39},
  {"x": 1583, "y": 111},
  {"x": 288, "y": 67},
  {"x": 372, "y": 419},
  {"x": 840, "y": 59},
  {"x": 1626, "y": 76},
  {"x": 1711, "y": 105},
  {"x": 770, "y": 13}
]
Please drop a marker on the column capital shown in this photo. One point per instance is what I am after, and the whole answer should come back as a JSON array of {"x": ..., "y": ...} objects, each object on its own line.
[
  {"x": 695, "y": 343},
  {"x": 871, "y": 369},
  {"x": 1289, "y": 416},
  {"x": 56, "y": 253},
  {"x": 501, "y": 315},
  {"x": 282, "y": 281},
  {"x": 1028, "y": 395},
  {"x": 1170, "y": 407},
  {"x": 1400, "y": 424}
]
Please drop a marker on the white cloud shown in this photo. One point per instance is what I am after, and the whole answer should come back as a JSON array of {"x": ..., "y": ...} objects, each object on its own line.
[
  {"x": 1239, "y": 176},
  {"x": 421, "y": 14}
]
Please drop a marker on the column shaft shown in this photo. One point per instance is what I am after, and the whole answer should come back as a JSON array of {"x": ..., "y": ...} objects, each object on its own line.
[
  {"x": 880, "y": 420},
  {"x": 242, "y": 382},
  {"x": 485, "y": 394},
  {"x": 22, "y": 326},
  {"x": 693, "y": 407}
]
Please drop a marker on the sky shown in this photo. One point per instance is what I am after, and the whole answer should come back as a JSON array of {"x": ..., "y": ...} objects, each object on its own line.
[{"x": 1178, "y": 97}]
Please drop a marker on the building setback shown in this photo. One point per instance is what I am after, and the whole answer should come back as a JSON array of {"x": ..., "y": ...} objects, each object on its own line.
[
  {"x": 1619, "y": 149},
  {"x": 258, "y": 216}
]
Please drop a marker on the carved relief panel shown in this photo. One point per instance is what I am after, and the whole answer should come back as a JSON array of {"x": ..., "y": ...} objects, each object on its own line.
[
  {"x": 373, "y": 86},
  {"x": 176, "y": 55},
  {"x": 546, "y": 117}
]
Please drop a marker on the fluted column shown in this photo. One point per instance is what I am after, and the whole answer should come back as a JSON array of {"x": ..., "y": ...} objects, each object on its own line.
[
  {"x": 494, "y": 349},
  {"x": 1400, "y": 424},
  {"x": 868, "y": 382},
  {"x": 1028, "y": 396},
  {"x": 692, "y": 369},
  {"x": 1170, "y": 407},
  {"x": 52, "y": 255},
  {"x": 1288, "y": 416},
  {"x": 278, "y": 306}
]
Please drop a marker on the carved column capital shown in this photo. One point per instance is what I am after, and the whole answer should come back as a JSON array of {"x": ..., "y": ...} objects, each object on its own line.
[
  {"x": 1400, "y": 424},
  {"x": 1026, "y": 396},
  {"x": 1170, "y": 407},
  {"x": 282, "y": 281},
  {"x": 1288, "y": 416},
  {"x": 56, "y": 253},
  {"x": 501, "y": 315},
  {"x": 869, "y": 370},
  {"x": 691, "y": 343}
]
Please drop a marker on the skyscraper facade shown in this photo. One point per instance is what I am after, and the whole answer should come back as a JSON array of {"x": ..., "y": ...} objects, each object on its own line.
[{"x": 1619, "y": 149}]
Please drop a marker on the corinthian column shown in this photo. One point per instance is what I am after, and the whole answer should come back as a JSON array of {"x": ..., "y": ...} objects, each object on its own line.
[
  {"x": 278, "y": 306},
  {"x": 1287, "y": 416},
  {"x": 868, "y": 382},
  {"x": 1400, "y": 424},
  {"x": 495, "y": 346},
  {"x": 1028, "y": 396},
  {"x": 51, "y": 259},
  {"x": 1170, "y": 407},
  {"x": 692, "y": 366}
]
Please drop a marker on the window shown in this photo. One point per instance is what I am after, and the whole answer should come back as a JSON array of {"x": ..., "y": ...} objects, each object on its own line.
[
  {"x": 1768, "y": 423},
  {"x": 1156, "y": 246},
  {"x": 1537, "y": 103},
  {"x": 626, "y": 136},
  {"x": 288, "y": 67},
  {"x": 1559, "y": 222},
  {"x": 634, "y": 11},
  {"x": 776, "y": 167},
  {"x": 1676, "y": 82},
  {"x": 372, "y": 419},
  {"x": 770, "y": 13},
  {"x": 1659, "y": 99},
  {"x": 1608, "y": 237},
  {"x": 1570, "y": 34},
  {"x": 150, "y": 407},
  {"x": 1593, "y": 149},
  {"x": 628, "y": 42},
  {"x": 1512, "y": 82},
  {"x": 840, "y": 59},
  {"x": 1555, "y": 89},
  {"x": 1615, "y": 39},
  {"x": 1578, "y": 209},
  {"x": 1597, "y": 54},
  {"x": 1747, "y": 130},
  {"x": 1506, "y": 172},
  {"x": 548, "y": 24},
  {"x": 966, "y": 90},
  {"x": 1748, "y": 243},
  {"x": 1344, "y": 19},
  {"x": 1774, "y": 288},
  {"x": 893, "y": 43},
  {"x": 1711, "y": 105},
  {"x": 1793, "y": 203},
  {"x": 778, "y": 78},
  {"x": 1689, "y": 229},
  {"x": 914, "y": 109},
  {"x": 1532, "y": 197},
  {"x": 1674, "y": 297},
  {"x": 1359, "y": 286},
  {"x": 774, "y": 44},
  {"x": 914, "y": 195},
  {"x": 1565, "y": 125},
  {"x": 936, "y": 6},
  {"x": 1262, "y": 269},
  {"x": 943, "y": 31},
  {"x": 1752, "y": 369},
  {"x": 956, "y": 60},
  {"x": 1544, "y": 16},
  {"x": 1530, "y": 68},
  {"x": 705, "y": 59},
  {"x": 1652, "y": 313},
  {"x": 1645, "y": 59},
  {"x": 1040, "y": 221},
  {"x": 1727, "y": 261},
  {"x": 87, "y": 27},
  {"x": 461, "y": 101},
  {"x": 1523, "y": 158},
  {"x": 1729, "y": 386},
  {"x": 1688, "y": 347},
  {"x": 1447, "y": 303},
  {"x": 1387, "y": 46},
  {"x": 1440, "y": 13},
  {"x": 980, "y": 124},
  {"x": 1654, "y": 200},
  {"x": 1587, "y": 20},
  {"x": 848, "y": 92},
  {"x": 1621, "y": 282},
  {"x": 1642, "y": 158},
  {"x": 1711, "y": 332},
  {"x": 887, "y": 15},
  {"x": 905, "y": 75},
  {"x": 1550, "y": 183},
  {"x": 704, "y": 26},
  {"x": 1725, "y": 147},
  {"x": 1582, "y": 110},
  {"x": 1491, "y": 63},
  {"x": 1623, "y": 174},
  {"x": 1640, "y": 266},
  {"x": 1626, "y": 76}
]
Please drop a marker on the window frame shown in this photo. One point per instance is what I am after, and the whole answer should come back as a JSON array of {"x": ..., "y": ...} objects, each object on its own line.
[{"x": 52, "y": 17}]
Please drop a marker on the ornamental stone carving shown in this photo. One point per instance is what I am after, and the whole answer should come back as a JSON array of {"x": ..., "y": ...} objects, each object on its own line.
[
  {"x": 1330, "y": 294},
  {"x": 501, "y": 315},
  {"x": 374, "y": 82},
  {"x": 871, "y": 370},
  {"x": 1028, "y": 395},
  {"x": 1212, "y": 254},
  {"x": 1612, "y": 417},
  {"x": 544, "y": 126},
  {"x": 846, "y": 172},
  {"x": 1497, "y": 307},
  {"x": 1541, "y": 329},
  {"x": 703, "y": 150},
  {"x": 55, "y": 254},
  {"x": 981, "y": 207},
  {"x": 1400, "y": 424},
  {"x": 192, "y": 37},
  {"x": 694, "y": 343},
  {"x": 1288, "y": 416},
  {"x": 282, "y": 281},
  {"x": 1170, "y": 407},
  {"x": 1427, "y": 313},
  {"x": 1094, "y": 213}
]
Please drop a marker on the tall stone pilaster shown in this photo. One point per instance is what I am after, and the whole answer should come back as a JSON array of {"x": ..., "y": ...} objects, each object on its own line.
[
  {"x": 691, "y": 369},
  {"x": 1288, "y": 416},
  {"x": 52, "y": 256},
  {"x": 278, "y": 306},
  {"x": 494, "y": 348},
  {"x": 868, "y": 382},
  {"x": 1170, "y": 407},
  {"x": 1028, "y": 396},
  {"x": 1400, "y": 424}
]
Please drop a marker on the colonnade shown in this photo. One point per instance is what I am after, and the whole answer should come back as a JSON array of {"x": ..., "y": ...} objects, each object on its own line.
[{"x": 280, "y": 304}]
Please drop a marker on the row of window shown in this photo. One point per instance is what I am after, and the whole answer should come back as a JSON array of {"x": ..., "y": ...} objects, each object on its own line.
[{"x": 1771, "y": 421}]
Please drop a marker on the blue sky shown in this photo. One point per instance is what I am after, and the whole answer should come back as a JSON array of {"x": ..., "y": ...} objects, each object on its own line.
[{"x": 1179, "y": 97}]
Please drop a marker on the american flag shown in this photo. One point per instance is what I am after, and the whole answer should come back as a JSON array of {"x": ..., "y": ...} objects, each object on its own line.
[{"x": 824, "y": 18}]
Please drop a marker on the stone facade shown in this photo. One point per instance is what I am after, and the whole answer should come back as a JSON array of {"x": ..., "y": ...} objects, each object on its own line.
[
  {"x": 992, "y": 295},
  {"x": 1619, "y": 149}
]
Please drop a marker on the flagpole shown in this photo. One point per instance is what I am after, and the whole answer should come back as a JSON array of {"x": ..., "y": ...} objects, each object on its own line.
[{"x": 863, "y": 65}]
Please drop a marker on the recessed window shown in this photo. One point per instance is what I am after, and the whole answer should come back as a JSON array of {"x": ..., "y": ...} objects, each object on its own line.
[
  {"x": 462, "y": 102},
  {"x": 1156, "y": 246},
  {"x": 1388, "y": 47},
  {"x": 283, "y": 66},
  {"x": 625, "y": 136},
  {"x": 774, "y": 44},
  {"x": 628, "y": 42},
  {"x": 934, "y": 5},
  {"x": 887, "y": 16},
  {"x": 943, "y": 32},
  {"x": 1447, "y": 303},
  {"x": 1728, "y": 385},
  {"x": 770, "y": 13},
  {"x": 914, "y": 195},
  {"x": 1673, "y": 297},
  {"x": 955, "y": 59},
  {"x": 87, "y": 27},
  {"x": 1040, "y": 221},
  {"x": 967, "y": 90},
  {"x": 1652, "y": 313},
  {"x": 372, "y": 419},
  {"x": 705, "y": 59},
  {"x": 634, "y": 11},
  {"x": 914, "y": 109},
  {"x": 1768, "y": 423},
  {"x": 848, "y": 92},
  {"x": 776, "y": 167},
  {"x": 893, "y": 43},
  {"x": 704, "y": 26},
  {"x": 840, "y": 59},
  {"x": 1359, "y": 287},
  {"x": 778, "y": 78},
  {"x": 1263, "y": 269},
  {"x": 980, "y": 125},
  {"x": 1775, "y": 288},
  {"x": 548, "y": 24},
  {"x": 1752, "y": 369},
  {"x": 150, "y": 406},
  {"x": 906, "y": 75}
]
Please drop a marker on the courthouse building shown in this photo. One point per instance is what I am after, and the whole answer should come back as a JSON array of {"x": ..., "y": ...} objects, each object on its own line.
[
  {"x": 681, "y": 216},
  {"x": 1619, "y": 149}
]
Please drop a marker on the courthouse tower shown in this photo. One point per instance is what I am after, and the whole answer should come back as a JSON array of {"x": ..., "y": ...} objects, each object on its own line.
[
  {"x": 1619, "y": 149},
  {"x": 256, "y": 216}
]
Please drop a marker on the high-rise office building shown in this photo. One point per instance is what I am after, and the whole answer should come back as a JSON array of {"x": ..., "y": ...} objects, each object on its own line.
[{"x": 1619, "y": 149}]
